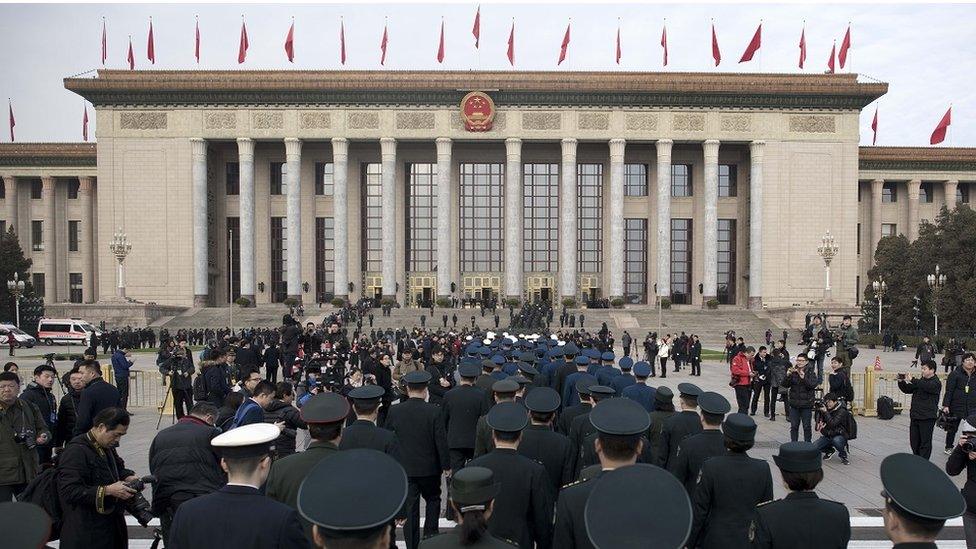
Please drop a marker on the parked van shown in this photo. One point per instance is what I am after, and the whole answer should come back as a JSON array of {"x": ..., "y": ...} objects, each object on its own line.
[
  {"x": 64, "y": 330},
  {"x": 21, "y": 338}
]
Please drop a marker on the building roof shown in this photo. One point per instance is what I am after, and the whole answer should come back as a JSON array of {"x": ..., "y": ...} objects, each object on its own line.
[
  {"x": 557, "y": 88},
  {"x": 47, "y": 154},
  {"x": 917, "y": 158}
]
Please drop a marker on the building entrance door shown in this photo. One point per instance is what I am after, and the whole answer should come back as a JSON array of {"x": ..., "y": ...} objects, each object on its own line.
[
  {"x": 539, "y": 289},
  {"x": 373, "y": 288}
]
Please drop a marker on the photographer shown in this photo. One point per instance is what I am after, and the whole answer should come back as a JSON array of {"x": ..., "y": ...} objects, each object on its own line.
[
  {"x": 833, "y": 420},
  {"x": 177, "y": 364},
  {"x": 846, "y": 338},
  {"x": 778, "y": 365},
  {"x": 21, "y": 429},
  {"x": 963, "y": 457},
  {"x": 925, "y": 407},
  {"x": 818, "y": 339},
  {"x": 960, "y": 396},
  {"x": 760, "y": 383},
  {"x": 801, "y": 380},
  {"x": 38, "y": 393}
]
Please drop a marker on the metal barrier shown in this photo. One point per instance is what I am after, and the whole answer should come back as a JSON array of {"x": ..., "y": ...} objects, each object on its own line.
[
  {"x": 146, "y": 388},
  {"x": 871, "y": 384}
]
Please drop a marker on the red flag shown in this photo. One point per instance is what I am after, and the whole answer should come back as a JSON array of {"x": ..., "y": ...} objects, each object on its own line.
[
  {"x": 151, "y": 47},
  {"x": 664, "y": 43},
  {"x": 803, "y": 46},
  {"x": 383, "y": 46},
  {"x": 84, "y": 125},
  {"x": 716, "y": 54},
  {"x": 938, "y": 136},
  {"x": 342, "y": 42},
  {"x": 753, "y": 46},
  {"x": 845, "y": 45},
  {"x": 564, "y": 46},
  {"x": 104, "y": 43},
  {"x": 242, "y": 49},
  {"x": 618, "y": 43},
  {"x": 440, "y": 48},
  {"x": 196, "y": 45},
  {"x": 511, "y": 45},
  {"x": 476, "y": 29},
  {"x": 874, "y": 127},
  {"x": 132, "y": 57},
  {"x": 833, "y": 55},
  {"x": 290, "y": 42},
  {"x": 12, "y": 121}
]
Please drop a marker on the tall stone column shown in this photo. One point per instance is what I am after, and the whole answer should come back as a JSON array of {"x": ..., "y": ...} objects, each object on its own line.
[
  {"x": 445, "y": 246},
  {"x": 388, "y": 186},
  {"x": 950, "y": 194},
  {"x": 710, "y": 233},
  {"x": 877, "y": 187},
  {"x": 513, "y": 218},
  {"x": 615, "y": 267},
  {"x": 51, "y": 279},
  {"x": 198, "y": 196},
  {"x": 664, "y": 217},
  {"x": 340, "y": 214},
  {"x": 245, "y": 166},
  {"x": 567, "y": 220},
  {"x": 10, "y": 194},
  {"x": 293, "y": 161},
  {"x": 86, "y": 191},
  {"x": 756, "y": 151},
  {"x": 913, "y": 187}
]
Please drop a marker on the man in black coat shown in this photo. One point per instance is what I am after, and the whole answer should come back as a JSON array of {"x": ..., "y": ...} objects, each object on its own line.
[
  {"x": 558, "y": 379},
  {"x": 178, "y": 366},
  {"x": 461, "y": 408},
  {"x": 38, "y": 393},
  {"x": 677, "y": 427},
  {"x": 543, "y": 445},
  {"x": 566, "y": 417},
  {"x": 925, "y": 393},
  {"x": 582, "y": 429},
  {"x": 68, "y": 407},
  {"x": 424, "y": 455},
  {"x": 710, "y": 442},
  {"x": 97, "y": 395},
  {"x": 363, "y": 433},
  {"x": 960, "y": 396}
]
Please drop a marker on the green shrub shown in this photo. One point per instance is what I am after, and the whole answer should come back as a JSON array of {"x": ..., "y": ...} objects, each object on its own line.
[
  {"x": 712, "y": 304},
  {"x": 243, "y": 301},
  {"x": 617, "y": 302},
  {"x": 665, "y": 303},
  {"x": 338, "y": 302},
  {"x": 444, "y": 302},
  {"x": 290, "y": 302},
  {"x": 569, "y": 302},
  {"x": 512, "y": 302},
  {"x": 388, "y": 301}
]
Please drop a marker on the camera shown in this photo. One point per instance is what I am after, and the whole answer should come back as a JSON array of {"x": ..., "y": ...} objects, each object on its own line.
[
  {"x": 902, "y": 377},
  {"x": 968, "y": 446},
  {"x": 27, "y": 437},
  {"x": 137, "y": 506}
]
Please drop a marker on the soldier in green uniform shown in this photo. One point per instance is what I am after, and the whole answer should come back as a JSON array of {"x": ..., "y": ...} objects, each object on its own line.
[
  {"x": 503, "y": 391},
  {"x": 684, "y": 423},
  {"x": 472, "y": 496},
  {"x": 919, "y": 498},
  {"x": 695, "y": 449},
  {"x": 363, "y": 433},
  {"x": 540, "y": 443}
]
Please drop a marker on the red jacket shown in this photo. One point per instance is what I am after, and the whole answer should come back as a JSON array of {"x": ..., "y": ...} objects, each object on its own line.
[{"x": 741, "y": 368}]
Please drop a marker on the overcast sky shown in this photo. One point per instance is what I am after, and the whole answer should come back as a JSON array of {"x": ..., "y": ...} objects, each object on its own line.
[{"x": 926, "y": 53}]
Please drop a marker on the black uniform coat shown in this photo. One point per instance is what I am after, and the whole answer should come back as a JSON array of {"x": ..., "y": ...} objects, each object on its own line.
[
  {"x": 676, "y": 428},
  {"x": 462, "y": 407},
  {"x": 579, "y": 431},
  {"x": 523, "y": 509},
  {"x": 801, "y": 521},
  {"x": 95, "y": 397},
  {"x": 551, "y": 449},
  {"x": 658, "y": 417},
  {"x": 725, "y": 498},
  {"x": 692, "y": 453},
  {"x": 565, "y": 420},
  {"x": 450, "y": 540},
  {"x": 420, "y": 432},
  {"x": 363, "y": 433},
  {"x": 236, "y": 517},
  {"x": 570, "y": 529},
  {"x": 287, "y": 474}
]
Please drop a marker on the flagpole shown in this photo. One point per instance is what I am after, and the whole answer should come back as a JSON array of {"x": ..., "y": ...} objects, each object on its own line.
[
  {"x": 850, "y": 62},
  {"x": 760, "y": 44},
  {"x": 569, "y": 49}
]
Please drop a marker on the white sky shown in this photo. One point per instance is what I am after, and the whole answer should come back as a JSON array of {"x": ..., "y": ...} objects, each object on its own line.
[{"x": 925, "y": 52}]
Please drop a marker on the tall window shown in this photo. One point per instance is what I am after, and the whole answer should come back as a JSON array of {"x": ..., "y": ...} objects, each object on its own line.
[
  {"x": 232, "y": 174},
  {"x": 37, "y": 280},
  {"x": 279, "y": 258},
  {"x": 36, "y": 189},
  {"x": 482, "y": 217},
  {"x": 925, "y": 193},
  {"x": 589, "y": 206},
  {"x": 635, "y": 179},
  {"x": 324, "y": 258},
  {"x": 323, "y": 178},
  {"x": 962, "y": 193},
  {"x": 681, "y": 261},
  {"x": 73, "y": 187},
  {"x": 422, "y": 218},
  {"x": 37, "y": 236},
  {"x": 74, "y": 288},
  {"x": 726, "y": 261},
  {"x": 727, "y": 180},
  {"x": 3, "y": 226},
  {"x": 680, "y": 180},
  {"x": 3, "y": 191},
  {"x": 234, "y": 258},
  {"x": 278, "y": 185},
  {"x": 372, "y": 214},
  {"x": 889, "y": 229},
  {"x": 74, "y": 235},
  {"x": 635, "y": 260},
  {"x": 540, "y": 201},
  {"x": 889, "y": 193},
  {"x": 858, "y": 239}
]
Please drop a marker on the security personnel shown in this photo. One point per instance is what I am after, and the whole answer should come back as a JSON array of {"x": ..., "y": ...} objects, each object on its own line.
[
  {"x": 729, "y": 488},
  {"x": 526, "y": 369},
  {"x": 570, "y": 396},
  {"x": 582, "y": 428},
  {"x": 639, "y": 391},
  {"x": 663, "y": 409},
  {"x": 238, "y": 513},
  {"x": 567, "y": 415},
  {"x": 919, "y": 498},
  {"x": 363, "y": 433},
  {"x": 462, "y": 407},
  {"x": 325, "y": 414},
  {"x": 523, "y": 510},
  {"x": 801, "y": 520},
  {"x": 558, "y": 379},
  {"x": 332, "y": 499},
  {"x": 695, "y": 449},
  {"x": 619, "y": 423},
  {"x": 606, "y": 373},
  {"x": 543, "y": 445},
  {"x": 624, "y": 378},
  {"x": 423, "y": 448},
  {"x": 502, "y": 391},
  {"x": 473, "y": 491},
  {"x": 684, "y": 423}
]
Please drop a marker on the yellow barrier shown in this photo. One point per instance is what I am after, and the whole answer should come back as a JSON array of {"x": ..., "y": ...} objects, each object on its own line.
[{"x": 871, "y": 384}]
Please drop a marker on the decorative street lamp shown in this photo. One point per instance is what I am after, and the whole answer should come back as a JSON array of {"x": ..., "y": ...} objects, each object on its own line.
[
  {"x": 828, "y": 251},
  {"x": 936, "y": 282},
  {"x": 120, "y": 248},
  {"x": 880, "y": 288},
  {"x": 16, "y": 289}
]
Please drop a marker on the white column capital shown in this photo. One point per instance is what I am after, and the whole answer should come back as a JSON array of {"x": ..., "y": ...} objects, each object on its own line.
[
  {"x": 245, "y": 149},
  {"x": 293, "y": 148},
  {"x": 617, "y": 147},
  {"x": 664, "y": 148},
  {"x": 513, "y": 147},
  {"x": 47, "y": 183},
  {"x": 756, "y": 149},
  {"x": 913, "y": 189},
  {"x": 340, "y": 147},
  {"x": 877, "y": 185},
  {"x": 952, "y": 182},
  {"x": 569, "y": 148},
  {"x": 710, "y": 148},
  {"x": 388, "y": 147},
  {"x": 198, "y": 147},
  {"x": 86, "y": 183},
  {"x": 443, "y": 146}
]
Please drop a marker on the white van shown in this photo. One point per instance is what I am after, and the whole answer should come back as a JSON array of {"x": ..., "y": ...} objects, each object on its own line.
[
  {"x": 21, "y": 338},
  {"x": 64, "y": 330}
]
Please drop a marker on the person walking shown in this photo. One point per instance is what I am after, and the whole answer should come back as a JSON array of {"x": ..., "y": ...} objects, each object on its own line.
[
  {"x": 959, "y": 400},
  {"x": 925, "y": 391},
  {"x": 121, "y": 363},
  {"x": 742, "y": 376}
]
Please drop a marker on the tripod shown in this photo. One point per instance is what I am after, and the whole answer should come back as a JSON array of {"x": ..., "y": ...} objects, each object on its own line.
[{"x": 162, "y": 408}]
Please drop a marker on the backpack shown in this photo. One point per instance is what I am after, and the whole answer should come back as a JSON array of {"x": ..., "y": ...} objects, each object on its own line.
[
  {"x": 851, "y": 426},
  {"x": 886, "y": 407},
  {"x": 43, "y": 492},
  {"x": 847, "y": 391},
  {"x": 200, "y": 389}
]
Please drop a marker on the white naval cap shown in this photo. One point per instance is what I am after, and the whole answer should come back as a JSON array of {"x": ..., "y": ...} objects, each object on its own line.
[{"x": 246, "y": 441}]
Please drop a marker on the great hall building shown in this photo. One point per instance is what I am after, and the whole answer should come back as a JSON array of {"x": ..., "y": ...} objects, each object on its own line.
[{"x": 314, "y": 184}]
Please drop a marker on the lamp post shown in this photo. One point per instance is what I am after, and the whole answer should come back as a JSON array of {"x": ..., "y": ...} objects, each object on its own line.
[
  {"x": 120, "y": 248},
  {"x": 880, "y": 288},
  {"x": 936, "y": 282},
  {"x": 16, "y": 289},
  {"x": 827, "y": 250}
]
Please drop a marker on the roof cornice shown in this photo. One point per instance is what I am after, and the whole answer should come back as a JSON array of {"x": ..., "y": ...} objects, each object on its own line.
[
  {"x": 47, "y": 154},
  {"x": 917, "y": 158}
]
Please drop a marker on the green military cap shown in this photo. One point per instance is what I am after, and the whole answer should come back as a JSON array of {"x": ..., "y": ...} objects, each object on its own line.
[
  {"x": 325, "y": 407},
  {"x": 508, "y": 417},
  {"x": 689, "y": 389},
  {"x": 527, "y": 369},
  {"x": 799, "y": 457},
  {"x": 917, "y": 488},
  {"x": 473, "y": 487},
  {"x": 663, "y": 394},
  {"x": 367, "y": 392},
  {"x": 739, "y": 427},
  {"x": 417, "y": 377},
  {"x": 507, "y": 385},
  {"x": 542, "y": 400},
  {"x": 469, "y": 370},
  {"x": 600, "y": 392},
  {"x": 619, "y": 416},
  {"x": 714, "y": 403}
]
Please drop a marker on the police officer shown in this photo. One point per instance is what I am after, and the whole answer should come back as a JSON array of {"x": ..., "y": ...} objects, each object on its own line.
[
  {"x": 502, "y": 391},
  {"x": 801, "y": 520},
  {"x": 363, "y": 433},
  {"x": 524, "y": 507},
  {"x": 472, "y": 494},
  {"x": 570, "y": 396},
  {"x": 462, "y": 407},
  {"x": 581, "y": 429},
  {"x": 238, "y": 513},
  {"x": 567, "y": 415},
  {"x": 639, "y": 391},
  {"x": 543, "y": 445},
  {"x": 919, "y": 498},
  {"x": 695, "y": 449},
  {"x": 624, "y": 378},
  {"x": 677, "y": 427}
]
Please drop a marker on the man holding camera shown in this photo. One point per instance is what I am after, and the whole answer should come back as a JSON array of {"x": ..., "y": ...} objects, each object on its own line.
[
  {"x": 21, "y": 429},
  {"x": 959, "y": 400},
  {"x": 817, "y": 338},
  {"x": 925, "y": 393},
  {"x": 833, "y": 421}
]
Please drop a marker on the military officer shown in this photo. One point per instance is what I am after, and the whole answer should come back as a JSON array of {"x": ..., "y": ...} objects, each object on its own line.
[
  {"x": 325, "y": 414},
  {"x": 558, "y": 379},
  {"x": 695, "y": 449},
  {"x": 619, "y": 423},
  {"x": 624, "y": 378},
  {"x": 639, "y": 391},
  {"x": 567, "y": 415},
  {"x": 684, "y": 423},
  {"x": 524, "y": 507},
  {"x": 531, "y": 373},
  {"x": 241, "y": 515},
  {"x": 606, "y": 373},
  {"x": 582, "y": 428},
  {"x": 570, "y": 396},
  {"x": 919, "y": 498},
  {"x": 801, "y": 520},
  {"x": 663, "y": 409},
  {"x": 543, "y": 445},
  {"x": 462, "y": 407},
  {"x": 423, "y": 449},
  {"x": 502, "y": 391},
  {"x": 472, "y": 494},
  {"x": 363, "y": 433}
]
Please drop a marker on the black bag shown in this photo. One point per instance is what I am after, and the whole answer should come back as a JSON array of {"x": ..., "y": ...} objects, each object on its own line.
[
  {"x": 853, "y": 352},
  {"x": 886, "y": 407},
  {"x": 200, "y": 389},
  {"x": 851, "y": 426},
  {"x": 43, "y": 492}
]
